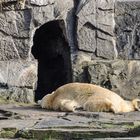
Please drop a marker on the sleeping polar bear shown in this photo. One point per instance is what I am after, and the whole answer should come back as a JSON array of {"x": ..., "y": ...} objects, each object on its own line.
[{"x": 89, "y": 97}]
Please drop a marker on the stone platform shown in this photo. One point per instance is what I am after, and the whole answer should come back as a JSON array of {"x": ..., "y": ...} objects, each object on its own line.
[{"x": 32, "y": 122}]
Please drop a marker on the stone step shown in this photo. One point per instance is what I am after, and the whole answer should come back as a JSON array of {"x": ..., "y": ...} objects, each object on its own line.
[{"x": 36, "y": 123}]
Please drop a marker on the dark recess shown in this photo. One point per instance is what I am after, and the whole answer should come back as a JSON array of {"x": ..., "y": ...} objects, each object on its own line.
[{"x": 52, "y": 51}]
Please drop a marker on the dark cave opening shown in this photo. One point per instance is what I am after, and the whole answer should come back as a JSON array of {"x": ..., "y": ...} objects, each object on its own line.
[{"x": 52, "y": 51}]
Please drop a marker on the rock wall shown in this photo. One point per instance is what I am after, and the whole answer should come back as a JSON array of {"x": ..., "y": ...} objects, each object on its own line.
[
  {"x": 127, "y": 29},
  {"x": 18, "y": 68},
  {"x": 103, "y": 37},
  {"x": 108, "y": 45}
]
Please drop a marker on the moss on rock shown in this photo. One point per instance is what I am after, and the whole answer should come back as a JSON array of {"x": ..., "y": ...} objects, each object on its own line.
[{"x": 8, "y": 132}]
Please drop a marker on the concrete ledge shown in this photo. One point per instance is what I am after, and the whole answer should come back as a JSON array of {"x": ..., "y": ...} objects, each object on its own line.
[{"x": 35, "y": 123}]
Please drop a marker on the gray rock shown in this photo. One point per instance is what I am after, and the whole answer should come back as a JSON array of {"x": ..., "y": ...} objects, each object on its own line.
[
  {"x": 41, "y": 2},
  {"x": 4, "y": 71},
  {"x": 22, "y": 73},
  {"x": 119, "y": 76},
  {"x": 17, "y": 80},
  {"x": 86, "y": 28},
  {"x": 95, "y": 28},
  {"x": 8, "y": 49},
  {"x": 18, "y": 71},
  {"x": 17, "y": 94},
  {"x": 16, "y": 25},
  {"x": 127, "y": 29},
  {"x": 8, "y": 23},
  {"x": 23, "y": 48},
  {"x": 23, "y": 95},
  {"x": 41, "y": 15},
  {"x": 88, "y": 43}
]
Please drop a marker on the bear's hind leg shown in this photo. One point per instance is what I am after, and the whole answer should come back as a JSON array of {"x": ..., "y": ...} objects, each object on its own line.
[
  {"x": 98, "y": 105},
  {"x": 69, "y": 105}
]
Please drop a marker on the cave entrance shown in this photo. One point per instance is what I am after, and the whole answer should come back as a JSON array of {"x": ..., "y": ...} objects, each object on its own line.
[{"x": 52, "y": 51}]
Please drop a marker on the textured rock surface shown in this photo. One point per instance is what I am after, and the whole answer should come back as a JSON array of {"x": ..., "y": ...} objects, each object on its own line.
[
  {"x": 31, "y": 122},
  {"x": 109, "y": 30},
  {"x": 121, "y": 76},
  {"x": 18, "y": 80},
  {"x": 95, "y": 28},
  {"x": 18, "y": 71},
  {"x": 127, "y": 17}
]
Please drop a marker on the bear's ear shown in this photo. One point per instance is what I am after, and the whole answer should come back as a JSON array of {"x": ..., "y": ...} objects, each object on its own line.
[
  {"x": 136, "y": 103},
  {"x": 39, "y": 102}
]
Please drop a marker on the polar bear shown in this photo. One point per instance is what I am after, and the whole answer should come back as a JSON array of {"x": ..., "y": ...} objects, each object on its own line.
[{"x": 89, "y": 97}]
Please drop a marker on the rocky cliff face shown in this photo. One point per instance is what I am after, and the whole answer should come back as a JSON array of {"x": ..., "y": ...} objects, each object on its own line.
[
  {"x": 108, "y": 45},
  {"x": 18, "y": 71},
  {"x": 98, "y": 43}
]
